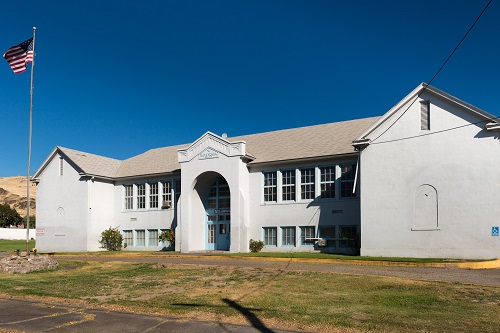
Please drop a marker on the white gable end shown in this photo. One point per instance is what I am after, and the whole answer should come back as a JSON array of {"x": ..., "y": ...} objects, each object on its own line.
[{"x": 210, "y": 146}]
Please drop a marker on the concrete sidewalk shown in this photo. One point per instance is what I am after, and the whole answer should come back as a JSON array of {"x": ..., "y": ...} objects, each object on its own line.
[{"x": 22, "y": 315}]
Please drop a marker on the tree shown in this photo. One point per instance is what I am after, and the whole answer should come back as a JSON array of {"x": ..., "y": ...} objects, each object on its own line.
[
  {"x": 9, "y": 216},
  {"x": 32, "y": 221}
]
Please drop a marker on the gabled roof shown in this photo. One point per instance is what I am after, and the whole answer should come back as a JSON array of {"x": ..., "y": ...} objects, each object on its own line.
[
  {"x": 86, "y": 163},
  {"x": 284, "y": 145},
  {"x": 392, "y": 115},
  {"x": 305, "y": 142}
]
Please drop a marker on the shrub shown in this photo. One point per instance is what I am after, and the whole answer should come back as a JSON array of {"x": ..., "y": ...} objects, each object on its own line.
[
  {"x": 256, "y": 246},
  {"x": 168, "y": 236},
  {"x": 111, "y": 239}
]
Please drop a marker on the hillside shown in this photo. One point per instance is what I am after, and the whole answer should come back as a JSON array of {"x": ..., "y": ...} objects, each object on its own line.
[{"x": 13, "y": 192}]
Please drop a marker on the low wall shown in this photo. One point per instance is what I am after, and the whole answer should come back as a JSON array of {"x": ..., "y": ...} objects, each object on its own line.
[{"x": 14, "y": 233}]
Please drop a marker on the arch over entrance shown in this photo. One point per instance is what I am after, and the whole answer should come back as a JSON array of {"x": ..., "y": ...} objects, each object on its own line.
[{"x": 218, "y": 216}]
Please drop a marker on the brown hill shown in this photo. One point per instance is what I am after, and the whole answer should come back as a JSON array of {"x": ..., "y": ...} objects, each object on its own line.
[{"x": 13, "y": 192}]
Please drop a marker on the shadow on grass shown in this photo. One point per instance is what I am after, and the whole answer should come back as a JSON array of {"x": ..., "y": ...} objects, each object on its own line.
[{"x": 252, "y": 318}]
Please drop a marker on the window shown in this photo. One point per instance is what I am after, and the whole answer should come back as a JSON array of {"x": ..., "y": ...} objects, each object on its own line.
[
  {"x": 307, "y": 184},
  {"x": 270, "y": 236},
  {"x": 129, "y": 196},
  {"x": 166, "y": 194},
  {"x": 305, "y": 233},
  {"x": 328, "y": 232},
  {"x": 128, "y": 238},
  {"x": 347, "y": 173},
  {"x": 288, "y": 185},
  {"x": 425, "y": 112},
  {"x": 141, "y": 196},
  {"x": 140, "y": 237},
  {"x": 61, "y": 166},
  {"x": 327, "y": 182},
  {"x": 153, "y": 195},
  {"x": 347, "y": 235},
  {"x": 288, "y": 236},
  {"x": 153, "y": 239},
  {"x": 211, "y": 233},
  {"x": 270, "y": 187}
]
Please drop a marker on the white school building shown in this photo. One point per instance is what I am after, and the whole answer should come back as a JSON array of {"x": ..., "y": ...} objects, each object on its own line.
[{"x": 422, "y": 180}]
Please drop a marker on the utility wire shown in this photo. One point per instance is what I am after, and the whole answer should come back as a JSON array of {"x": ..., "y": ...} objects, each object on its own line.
[
  {"x": 435, "y": 75},
  {"x": 436, "y": 132}
]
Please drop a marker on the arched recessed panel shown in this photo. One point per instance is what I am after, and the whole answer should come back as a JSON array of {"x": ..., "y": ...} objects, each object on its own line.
[
  {"x": 60, "y": 222},
  {"x": 425, "y": 208}
]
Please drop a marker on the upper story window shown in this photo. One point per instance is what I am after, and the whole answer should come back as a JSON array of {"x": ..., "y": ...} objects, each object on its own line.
[
  {"x": 153, "y": 195},
  {"x": 347, "y": 174},
  {"x": 288, "y": 185},
  {"x": 320, "y": 182},
  {"x": 61, "y": 166},
  {"x": 327, "y": 182},
  {"x": 141, "y": 196},
  {"x": 425, "y": 115},
  {"x": 307, "y": 186},
  {"x": 129, "y": 196},
  {"x": 166, "y": 194},
  {"x": 270, "y": 187}
]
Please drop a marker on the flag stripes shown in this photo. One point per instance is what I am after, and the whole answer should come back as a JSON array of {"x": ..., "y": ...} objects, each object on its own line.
[{"x": 17, "y": 56}]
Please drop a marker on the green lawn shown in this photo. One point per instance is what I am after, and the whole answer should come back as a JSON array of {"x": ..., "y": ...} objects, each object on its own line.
[
  {"x": 308, "y": 301},
  {"x": 12, "y": 245}
]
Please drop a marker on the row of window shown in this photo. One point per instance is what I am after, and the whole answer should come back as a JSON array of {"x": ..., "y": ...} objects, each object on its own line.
[
  {"x": 152, "y": 195},
  {"x": 142, "y": 237},
  {"x": 327, "y": 182},
  {"x": 307, "y": 235}
]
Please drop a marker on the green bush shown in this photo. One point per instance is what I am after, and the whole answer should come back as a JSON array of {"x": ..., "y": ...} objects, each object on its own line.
[
  {"x": 256, "y": 246},
  {"x": 111, "y": 239},
  {"x": 168, "y": 236}
]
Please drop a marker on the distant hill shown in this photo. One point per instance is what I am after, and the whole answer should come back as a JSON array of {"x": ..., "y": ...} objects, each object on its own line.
[{"x": 13, "y": 192}]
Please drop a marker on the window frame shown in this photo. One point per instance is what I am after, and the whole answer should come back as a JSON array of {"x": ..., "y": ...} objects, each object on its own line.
[
  {"x": 272, "y": 187},
  {"x": 273, "y": 238},
  {"x": 308, "y": 183},
  {"x": 353, "y": 193},
  {"x": 332, "y": 181},
  {"x": 288, "y": 240},
  {"x": 128, "y": 197},
  {"x": 304, "y": 235},
  {"x": 153, "y": 195},
  {"x": 288, "y": 183}
]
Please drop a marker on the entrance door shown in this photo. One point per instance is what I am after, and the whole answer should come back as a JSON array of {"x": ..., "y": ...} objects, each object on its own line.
[{"x": 218, "y": 236}]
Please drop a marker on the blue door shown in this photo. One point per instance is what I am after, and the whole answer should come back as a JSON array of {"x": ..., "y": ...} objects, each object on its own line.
[{"x": 218, "y": 205}]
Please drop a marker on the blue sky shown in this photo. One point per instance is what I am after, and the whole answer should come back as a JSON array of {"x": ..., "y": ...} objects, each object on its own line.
[{"x": 116, "y": 78}]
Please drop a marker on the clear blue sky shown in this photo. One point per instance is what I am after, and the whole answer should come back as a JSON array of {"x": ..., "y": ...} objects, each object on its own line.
[{"x": 117, "y": 78}]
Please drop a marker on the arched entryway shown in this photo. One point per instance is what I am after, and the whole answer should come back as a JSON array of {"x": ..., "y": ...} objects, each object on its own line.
[{"x": 218, "y": 216}]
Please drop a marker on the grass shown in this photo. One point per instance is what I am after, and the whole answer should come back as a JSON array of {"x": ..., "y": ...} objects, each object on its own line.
[
  {"x": 12, "y": 245},
  {"x": 291, "y": 300}
]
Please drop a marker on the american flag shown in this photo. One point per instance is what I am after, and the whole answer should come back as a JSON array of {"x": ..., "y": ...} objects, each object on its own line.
[{"x": 17, "y": 56}]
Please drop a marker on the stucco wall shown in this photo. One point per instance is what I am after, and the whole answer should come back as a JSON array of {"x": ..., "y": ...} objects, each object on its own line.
[
  {"x": 317, "y": 213},
  {"x": 141, "y": 219},
  {"x": 61, "y": 209},
  {"x": 14, "y": 233},
  {"x": 460, "y": 164}
]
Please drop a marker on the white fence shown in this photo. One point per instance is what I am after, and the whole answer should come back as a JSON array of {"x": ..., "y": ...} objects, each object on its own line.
[{"x": 14, "y": 233}]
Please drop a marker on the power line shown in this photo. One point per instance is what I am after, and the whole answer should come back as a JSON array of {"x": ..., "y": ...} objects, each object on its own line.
[
  {"x": 436, "y": 132},
  {"x": 438, "y": 71}
]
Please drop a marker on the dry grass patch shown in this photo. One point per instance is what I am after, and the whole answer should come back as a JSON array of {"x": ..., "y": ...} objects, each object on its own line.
[{"x": 275, "y": 298}]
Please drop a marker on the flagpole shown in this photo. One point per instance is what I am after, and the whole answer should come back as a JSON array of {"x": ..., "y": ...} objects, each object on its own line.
[{"x": 28, "y": 180}]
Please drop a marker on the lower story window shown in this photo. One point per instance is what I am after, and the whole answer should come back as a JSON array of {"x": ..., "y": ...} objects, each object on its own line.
[
  {"x": 347, "y": 235},
  {"x": 128, "y": 238},
  {"x": 288, "y": 236},
  {"x": 270, "y": 236},
  {"x": 306, "y": 233},
  {"x": 140, "y": 237},
  {"x": 153, "y": 238},
  {"x": 211, "y": 234},
  {"x": 328, "y": 232}
]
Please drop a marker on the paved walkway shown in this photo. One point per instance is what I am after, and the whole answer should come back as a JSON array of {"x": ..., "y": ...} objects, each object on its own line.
[
  {"x": 487, "y": 277},
  {"x": 21, "y": 315}
]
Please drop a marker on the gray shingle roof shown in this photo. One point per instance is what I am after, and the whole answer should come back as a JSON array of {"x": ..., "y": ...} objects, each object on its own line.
[
  {"x": 290, "y": 144},
  {"x": 92, "y": 164}
]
